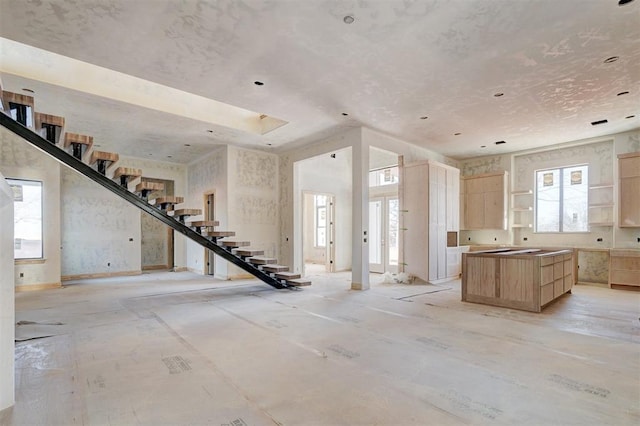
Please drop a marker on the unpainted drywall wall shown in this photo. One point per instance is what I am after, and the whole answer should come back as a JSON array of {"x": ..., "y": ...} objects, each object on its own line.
[
  {"x": 101, "y": 232},
  {"x": 7, "y": 297},
  {"x": 253, "y": 200},
  {"x": 20, "y": 160},
  {"x": 208, "y": 175}
]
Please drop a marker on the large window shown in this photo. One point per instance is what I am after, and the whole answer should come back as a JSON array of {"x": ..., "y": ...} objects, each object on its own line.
[
  {"x": 320, "y": 204},
  {"x": 562, "y": 203},
  {"x": 385, "y": 176},
  {"x": 27, "y": 218}
]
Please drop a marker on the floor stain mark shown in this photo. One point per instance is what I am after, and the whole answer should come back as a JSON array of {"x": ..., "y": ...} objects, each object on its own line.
[{"x": 579, "y": 386}]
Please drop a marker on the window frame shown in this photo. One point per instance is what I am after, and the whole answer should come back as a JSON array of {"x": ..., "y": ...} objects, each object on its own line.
[
  {"x": 12, "y": 181},
  {"x": 561, "y": 170}
]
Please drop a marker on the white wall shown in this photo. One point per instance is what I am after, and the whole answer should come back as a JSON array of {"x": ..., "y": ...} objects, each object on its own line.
[
  {"x": 18, "y": 159},
  {"x": 208, "y": 175},
  {"x": 101, "y": 232},
  {"x": 328, "y": 175},
  {"x": 7, "y": 297}
]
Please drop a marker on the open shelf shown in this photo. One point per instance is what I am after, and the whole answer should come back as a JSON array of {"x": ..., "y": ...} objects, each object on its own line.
[
  {"x": 522, "y": 225},
  {"x": 522, "y": 209},
  {"x": 522, "y": 192},
  {"x": 600, "y": 223},
  {"x": 602, "y": 205},
  {"x": 604, "y": 186}
]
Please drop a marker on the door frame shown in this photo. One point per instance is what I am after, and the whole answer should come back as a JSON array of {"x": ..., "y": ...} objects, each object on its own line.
[
  {"x": 330, "y": 249},
  {"x": 385, "y": 265},
  {"x": 208, "y": 262}
]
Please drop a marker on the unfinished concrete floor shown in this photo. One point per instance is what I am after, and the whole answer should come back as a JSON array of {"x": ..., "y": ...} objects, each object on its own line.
[{"x": 176, "y": 348}]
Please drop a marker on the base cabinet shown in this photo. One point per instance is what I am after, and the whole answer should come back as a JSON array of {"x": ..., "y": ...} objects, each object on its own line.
[
  {"x": 526, "y": 279},
  {"x": 624, "y": 269}
]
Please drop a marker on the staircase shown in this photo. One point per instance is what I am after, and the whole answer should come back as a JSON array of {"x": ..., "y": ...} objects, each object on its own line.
[{"x": 46, "y": 132}]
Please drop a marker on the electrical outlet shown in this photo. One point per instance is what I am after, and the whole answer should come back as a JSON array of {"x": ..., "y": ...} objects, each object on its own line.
[
  {"x": 599, "y": 240},
  {"x": 639, "y": 239},
  {"x": 108, "y": 263},
  {"x": 495, "y": 239},
  {"x": 525, "y": 239},
  {"x": 21, "y": 274}
]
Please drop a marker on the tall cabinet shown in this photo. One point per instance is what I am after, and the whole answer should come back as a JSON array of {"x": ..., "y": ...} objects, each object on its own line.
[
  {"x": 629, "y": 174},
  {"x": 485, "y": 201},
  {"x": 431, "y": 197}
]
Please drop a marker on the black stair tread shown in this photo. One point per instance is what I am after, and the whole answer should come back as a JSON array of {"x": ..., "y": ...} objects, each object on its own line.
[
  {"x": 248, "y": 252},
  {"x": 287, "y": 275},
  {"x": 275, "y": 268},
  {"x": 203, "y": 223},
  {"x": 219, "y": 234},
  {"x": 235, "y": 243},
  {"x": 127, "y": 171},
  {"x": 262, "y": 260},
  {"x": 299, "y": 282}
]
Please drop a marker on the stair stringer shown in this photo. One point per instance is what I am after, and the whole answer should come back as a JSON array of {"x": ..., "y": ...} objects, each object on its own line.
[{"x": 84, "y": 169}]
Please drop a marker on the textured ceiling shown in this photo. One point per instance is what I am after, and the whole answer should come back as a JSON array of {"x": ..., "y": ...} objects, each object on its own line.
[{"x": 399, "y": 61}]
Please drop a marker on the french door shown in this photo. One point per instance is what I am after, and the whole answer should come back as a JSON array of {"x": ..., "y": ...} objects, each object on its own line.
[{"x": 383, "y": 234}]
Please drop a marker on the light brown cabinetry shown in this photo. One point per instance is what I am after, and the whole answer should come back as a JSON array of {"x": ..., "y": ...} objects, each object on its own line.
[
  {"x": 629, "y": 175},
  {"x": 624, "y": 269},
  {"x": 525, "y": 279},
  {"x": 485, "y": 201}
]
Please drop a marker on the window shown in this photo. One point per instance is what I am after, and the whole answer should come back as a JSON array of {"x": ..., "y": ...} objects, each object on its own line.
[
  {"x": 562, "y": 203},
  {"x": 320, "y": 220},
  {"x": 385, "y": 176},
  {"x": 27, "y": 218}
]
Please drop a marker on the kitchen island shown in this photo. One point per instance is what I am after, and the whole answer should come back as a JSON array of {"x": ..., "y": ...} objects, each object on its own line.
[{"x": 520, "y": 278}]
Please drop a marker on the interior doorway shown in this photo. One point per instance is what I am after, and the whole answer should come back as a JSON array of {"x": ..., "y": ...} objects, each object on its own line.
[
  {"x": 384, "y": 227},
  {"x": 209, "y": 214},
  {"x": 318, "y": 237},
  {"x": 157, "y": 238}
]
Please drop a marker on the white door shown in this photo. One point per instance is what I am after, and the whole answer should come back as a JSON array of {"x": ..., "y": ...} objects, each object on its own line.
[{"x": 383, "y": 234}]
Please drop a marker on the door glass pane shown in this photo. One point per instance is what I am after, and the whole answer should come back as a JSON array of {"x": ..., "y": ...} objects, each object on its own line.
[
  {"x": 392, "y": 238},
  {"x": 27, "y": 218},
  {"x": 375, "y": 231}
]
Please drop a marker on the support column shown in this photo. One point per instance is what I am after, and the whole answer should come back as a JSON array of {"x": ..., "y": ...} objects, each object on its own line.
[
  {"x": 7, "y": 297},
  {"x": 360, "y": 216}
]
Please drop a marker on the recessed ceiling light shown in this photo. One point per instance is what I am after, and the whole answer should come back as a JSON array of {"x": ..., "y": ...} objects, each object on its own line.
[
  {"x": 348, "y": 19},
  {"x": 424, "y": 117},
  {"x": 457, "y": 134},
  {"x": 595, "y": 123},
  {"x": 209, "y": 131},
  {"x": 622, "y": 93},
  {"x": 500, "y": 142},
  {"x": 269, "y": 144},
  {"x": 28, "y": 90},
  {"x": 345, "y": 114},
  {"x": 169, "y": 156},
  {"x": 623, "y": 2},
  {"x": 483, "y": 146},
  {"x": 630, "y": 116},
  {"x": 258, "y": 83},
  {"x": 187, "y": 144},
  {"x": 497, "y": 95},
  {"x": 611, "y": 59}
]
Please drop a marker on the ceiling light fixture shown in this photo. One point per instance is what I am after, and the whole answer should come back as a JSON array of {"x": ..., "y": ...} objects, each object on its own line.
[
  {"x": 500, "y": 143},
  {"x": 611, "y": 59},
  {"x": 483, "y": 146},
  {"x": 424, "y": 117},
  {"x": 497, "y": 95},
  {"x": 457, "y": 134},
  {"x": 630, "y": 116},
  {"x": 345, "y": 114},
  {"x": 258, "y": 83},
  {"x": 595, "y": 123},
  {"x": 348, "y": 19},
  {"x": 186, "y": 144},
  {"x": 28, "y": 90},
  {"x": 209, "y": 131},
  {"x": 623, "y": 2},
  {"x": 622, "y": 93}
]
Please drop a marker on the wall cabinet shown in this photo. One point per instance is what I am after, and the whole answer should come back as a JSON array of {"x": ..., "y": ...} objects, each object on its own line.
[
  {"x": 430, "y": 194},
  {"x": 629, "y": 176},
  {"x": 485, "y": 201}
]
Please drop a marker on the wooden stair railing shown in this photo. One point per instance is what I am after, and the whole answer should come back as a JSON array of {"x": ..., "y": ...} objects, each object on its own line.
[{"x": 235, "y": 252}]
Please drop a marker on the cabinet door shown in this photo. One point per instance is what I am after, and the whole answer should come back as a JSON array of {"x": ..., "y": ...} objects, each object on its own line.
[
  {"x": 629, "y": 172},
  {"x": 453, "y": 200},
  {"x": 494, "y": 210},
  {"x": 474, "y": 211},
  {"x": 416, "y": 205}
]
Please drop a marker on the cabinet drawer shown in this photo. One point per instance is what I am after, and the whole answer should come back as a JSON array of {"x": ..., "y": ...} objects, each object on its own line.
[
  {"x": 625, "y": 277},
  {"x": 568, "y": 283},
  {"x": 546, "y": 275},
  {"x": 558, "y": 269},
  {"x": 626, "y": 263},
  {"x": 558, "y": 287}
]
